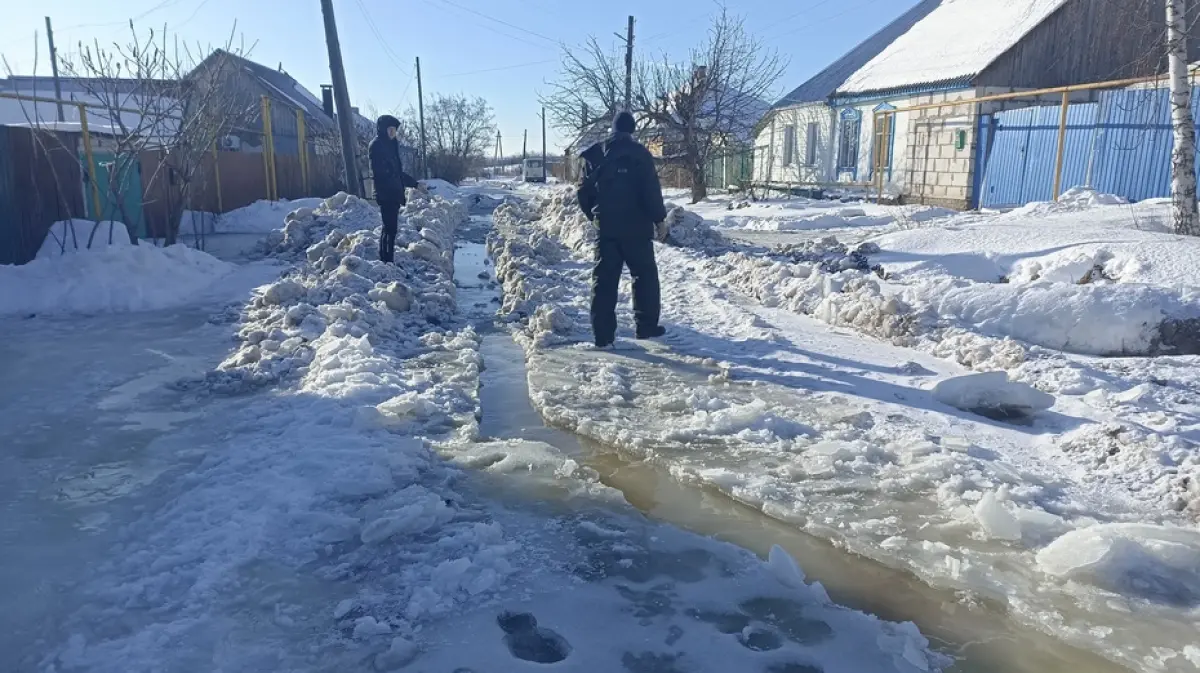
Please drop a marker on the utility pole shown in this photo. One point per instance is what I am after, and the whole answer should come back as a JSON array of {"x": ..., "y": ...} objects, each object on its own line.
[
  {"x": 341, "y": 96},
  {"x": 54, "y": 70},
  {"x": 497, "y": 153},
  {"x": 544, "y": 176},
  {"x": 629, "y": 67},
  {"x": 524, "y": 144},
  {"x": 421, "y": 116}
]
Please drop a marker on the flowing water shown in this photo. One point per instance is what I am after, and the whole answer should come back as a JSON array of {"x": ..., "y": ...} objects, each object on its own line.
[{"x": 979, "y": 636}]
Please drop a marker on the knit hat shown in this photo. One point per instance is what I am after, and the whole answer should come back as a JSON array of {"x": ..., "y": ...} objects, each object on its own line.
[{"x": 624, "y": 123}]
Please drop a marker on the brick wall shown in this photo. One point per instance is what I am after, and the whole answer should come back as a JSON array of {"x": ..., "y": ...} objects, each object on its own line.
[{"x": 937, "y": 171}]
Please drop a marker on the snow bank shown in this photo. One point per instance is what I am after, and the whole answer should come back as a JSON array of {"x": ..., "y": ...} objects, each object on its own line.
[
  {"x": 1063, "y": 242},
  {"x": 70, "y": 236},
  {"x": 1089, "y": 319},
  {"x": 117, "y": 278},
  {"x": 260, "y": 217}
]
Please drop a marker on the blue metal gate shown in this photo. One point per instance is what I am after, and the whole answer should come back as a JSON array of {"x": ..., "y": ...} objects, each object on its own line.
[
  {"x": 1021, "y": 155},
  {"x": 1120, "y": 145}
]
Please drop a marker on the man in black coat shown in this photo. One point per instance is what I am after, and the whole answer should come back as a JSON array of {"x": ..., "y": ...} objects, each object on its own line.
[
  {"x": 390, "y": 182},
  {"x": 621, "y": 193}
]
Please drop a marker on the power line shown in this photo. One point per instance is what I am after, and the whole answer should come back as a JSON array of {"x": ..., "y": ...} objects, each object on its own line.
[
  {"x": 503, "y": 67},
  {"x": 103, "y": 24},
  {"x": 496, "y": 30},
  {"x": 192, "y": 15},
  {"x": 803, "y": 11},
  {"x": 387, "y": 50},
  {"x": 500, "y": 21},
  {"x": 810, "y": 24}
]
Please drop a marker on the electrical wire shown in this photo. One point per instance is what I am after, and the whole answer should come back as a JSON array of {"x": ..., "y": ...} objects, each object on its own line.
[
  {"x": 503, "y": 67},
  {"x": 497, "y": 31},
  {"x": 387, "y": 49},
  {"x": 104, "y": 24},
  {"x": 500, "y": 21},
  {"x": 811, "y": 24}
]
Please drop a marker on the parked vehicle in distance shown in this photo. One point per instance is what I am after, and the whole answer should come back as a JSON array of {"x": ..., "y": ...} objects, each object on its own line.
[{"x": 533, "y": 170}]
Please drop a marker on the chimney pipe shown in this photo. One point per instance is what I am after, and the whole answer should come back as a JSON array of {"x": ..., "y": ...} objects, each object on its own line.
[{"x": 327, "y": 99}]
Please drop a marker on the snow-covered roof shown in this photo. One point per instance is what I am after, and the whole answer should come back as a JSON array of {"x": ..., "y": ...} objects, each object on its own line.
[
  {"x": 820, "y": 86},
  {"x": 955, "y": 41}
]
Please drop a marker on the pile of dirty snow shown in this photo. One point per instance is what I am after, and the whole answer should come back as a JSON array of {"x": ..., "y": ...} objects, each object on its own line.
[
  {"x": 115, "y": 278},
  {"x": 340, "y": 293}
]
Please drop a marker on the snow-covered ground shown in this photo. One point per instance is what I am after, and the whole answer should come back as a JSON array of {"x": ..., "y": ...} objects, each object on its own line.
[
  {"x": 1066, "y": 490},
  {"x": 300, "y": 483},
  {"x": 113, "y": 275},
  {"x": 726, "y": 211}
]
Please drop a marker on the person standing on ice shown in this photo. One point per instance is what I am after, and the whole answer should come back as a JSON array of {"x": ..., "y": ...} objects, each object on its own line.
[
  {"x": 621, "y": 194},
  {"x": 390, "y": 182}
]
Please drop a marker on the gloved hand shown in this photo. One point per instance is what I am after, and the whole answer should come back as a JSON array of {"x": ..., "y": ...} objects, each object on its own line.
[{"x": 661, "y": 231}]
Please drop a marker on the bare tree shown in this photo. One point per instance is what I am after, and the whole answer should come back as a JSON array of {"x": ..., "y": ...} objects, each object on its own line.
[
  {"x": 458, "y": 131},
  {"x": 589, "y": 88},
  {"x": 1183, "y": 154},
  {"x": 688, "y": 110},
  {"x": 148, "y": 94},
  {"x": 714, "y": 101}
]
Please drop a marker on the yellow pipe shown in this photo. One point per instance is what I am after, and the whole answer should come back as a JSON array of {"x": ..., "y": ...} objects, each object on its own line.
[
  {"x": 91, "y": 161},
  {"x": 58, "y": 101},
  {"x": 269, "y": 150},
  {"x": 1110, "y": 84},
  {"x": 1062, "y": 144},
  {"x": 217, "y": 177},
  {"x": 302, "y": 140}
]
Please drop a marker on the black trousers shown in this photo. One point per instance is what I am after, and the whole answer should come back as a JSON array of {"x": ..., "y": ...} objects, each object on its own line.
[
  {"x": 390, "y": 211},
  {"x": 612, "y": 255}
]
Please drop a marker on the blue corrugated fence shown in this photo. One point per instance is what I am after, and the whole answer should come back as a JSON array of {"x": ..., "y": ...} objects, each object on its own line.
[{"x": 1119, "y": 145}]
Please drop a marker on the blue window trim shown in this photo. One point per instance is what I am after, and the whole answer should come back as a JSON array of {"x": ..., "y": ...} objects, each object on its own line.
[
  {"x": 891, "y": 142},
  {"x": 849, "y": 115}
]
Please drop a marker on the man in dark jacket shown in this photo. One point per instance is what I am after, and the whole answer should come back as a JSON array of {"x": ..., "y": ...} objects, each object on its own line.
[
  {"x": 621, "y": 193},
  {"x": 390, "y": 181}
]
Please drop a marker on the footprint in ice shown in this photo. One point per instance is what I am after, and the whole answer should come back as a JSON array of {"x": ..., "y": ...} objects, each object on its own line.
[
  {"x": 529, "y": 642},
  {"x": 759, "y": 639}
]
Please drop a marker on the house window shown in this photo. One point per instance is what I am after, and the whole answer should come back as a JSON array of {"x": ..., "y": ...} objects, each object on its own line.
[
  {"x": 810, "y": 144},
  {"x": 789, "y": 145},
  {"x": 848, "y": 141}
]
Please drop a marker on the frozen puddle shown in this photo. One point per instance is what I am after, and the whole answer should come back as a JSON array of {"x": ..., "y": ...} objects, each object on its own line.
[
  {"x": 602, "y": 588},
  {"x": 621, "y": 593},
  {"x": 978, "y": 635}
]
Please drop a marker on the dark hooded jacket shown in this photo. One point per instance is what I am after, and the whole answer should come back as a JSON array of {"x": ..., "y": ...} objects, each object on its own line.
[
  {"x": 620, "y": 188},
  {"x": 386, "y": 169}
]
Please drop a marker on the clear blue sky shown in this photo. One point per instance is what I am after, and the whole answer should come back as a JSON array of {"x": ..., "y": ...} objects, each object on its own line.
[{"x": 455, "y": 39}]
